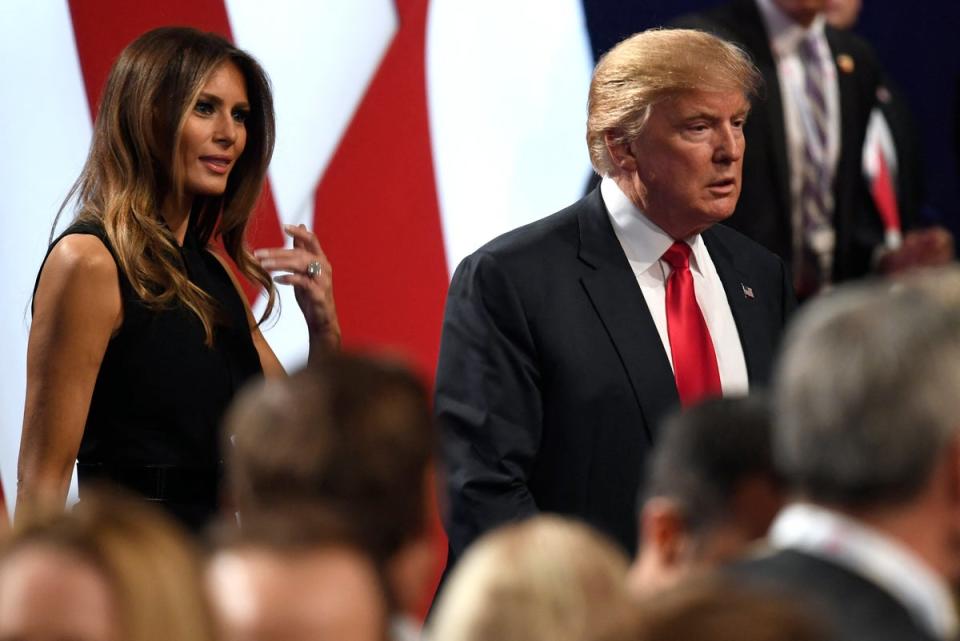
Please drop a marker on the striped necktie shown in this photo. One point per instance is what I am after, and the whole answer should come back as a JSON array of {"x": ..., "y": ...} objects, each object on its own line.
[{"x": 814, "y": 264}]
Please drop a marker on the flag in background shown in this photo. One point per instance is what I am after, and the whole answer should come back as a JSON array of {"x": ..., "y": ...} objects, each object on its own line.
[{"x": 410, "y": 132}]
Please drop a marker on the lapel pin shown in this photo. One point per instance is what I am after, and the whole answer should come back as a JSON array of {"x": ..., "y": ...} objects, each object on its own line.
[
  {"x": 747, "y": 291},
  {"x": 845, "y": 63}
]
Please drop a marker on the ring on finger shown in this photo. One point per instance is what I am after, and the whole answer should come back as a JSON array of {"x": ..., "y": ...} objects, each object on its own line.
[{"x": 314, "y": 269}]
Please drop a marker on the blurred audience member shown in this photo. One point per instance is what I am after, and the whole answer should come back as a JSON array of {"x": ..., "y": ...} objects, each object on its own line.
[
  {"x": 353, "y": 436},
  {"x": 713, "y": 610},
  {"x": 113, "y": 569},
  {"x": 893, "y": 164},
  {"x": 712, "y": 491},
  {"x": 866, "y": 432},
  {"x": 290, "y": 574},
  {"x": 544, "y": 579}
]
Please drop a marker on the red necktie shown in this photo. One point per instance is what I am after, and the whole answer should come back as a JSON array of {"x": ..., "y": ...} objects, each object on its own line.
[{"x": 694, "y": 360}]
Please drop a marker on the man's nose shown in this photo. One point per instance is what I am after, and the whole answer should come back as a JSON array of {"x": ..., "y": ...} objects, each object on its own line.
[{"x": 729, "y": 144}]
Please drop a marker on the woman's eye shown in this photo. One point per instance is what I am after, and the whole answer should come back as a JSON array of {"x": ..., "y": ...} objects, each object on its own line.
[
  {"x": 204, "y": 108},
  {"x": 241, "y": 115}
]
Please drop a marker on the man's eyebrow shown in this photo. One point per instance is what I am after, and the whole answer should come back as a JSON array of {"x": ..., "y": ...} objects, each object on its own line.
[{"x": 713, "y": 116}]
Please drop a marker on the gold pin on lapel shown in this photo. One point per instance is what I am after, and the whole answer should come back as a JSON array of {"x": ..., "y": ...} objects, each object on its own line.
[{"x": 845, "y": 63}]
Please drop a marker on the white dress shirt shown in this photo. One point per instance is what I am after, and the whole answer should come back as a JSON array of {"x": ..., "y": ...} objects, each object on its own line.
[
  {"x": 644, "y": 244},
  {"x": 873, "y": 555},
  {"x": 785, "y": 36}
]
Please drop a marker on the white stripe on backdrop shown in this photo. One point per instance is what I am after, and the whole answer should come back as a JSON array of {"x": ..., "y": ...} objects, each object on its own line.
[
  {"x": 507, "y": 85},
  {"x": 45, "y": 132},
  {"x": 507, "y": 93}
]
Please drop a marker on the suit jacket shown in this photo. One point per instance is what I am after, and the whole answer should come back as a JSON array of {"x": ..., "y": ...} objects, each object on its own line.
[
  {"x": 854, "y": 608},
  {"x": 763, "y": 212},
  {"x": 552, "y": 376}
]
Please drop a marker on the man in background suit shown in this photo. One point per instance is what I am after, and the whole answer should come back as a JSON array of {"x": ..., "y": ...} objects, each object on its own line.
[
  {"x": 866, "y": 432},
  {"x": 711, "y": 492},
  {"x": 566, "y": 340},
  {"x": 804, "y": 196}
]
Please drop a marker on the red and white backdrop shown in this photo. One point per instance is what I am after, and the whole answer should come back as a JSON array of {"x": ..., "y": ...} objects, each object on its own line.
[{"x": 409, "y": 133}]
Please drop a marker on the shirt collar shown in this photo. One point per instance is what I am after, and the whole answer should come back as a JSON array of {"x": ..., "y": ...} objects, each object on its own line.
[
  {"x": 642, "y": 240},
  {"x": 868, "y": 552},
  {"x": 785, "y": 34}
]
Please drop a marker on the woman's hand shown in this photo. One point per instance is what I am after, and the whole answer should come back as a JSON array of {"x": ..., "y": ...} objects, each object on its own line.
[{"x": 311, "y": 275}]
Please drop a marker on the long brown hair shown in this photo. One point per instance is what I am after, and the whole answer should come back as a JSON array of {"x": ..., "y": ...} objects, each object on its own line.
[{"x": 132, "y": 167}]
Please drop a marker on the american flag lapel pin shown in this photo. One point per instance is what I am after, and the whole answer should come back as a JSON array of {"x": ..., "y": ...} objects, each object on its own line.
[{"x": 747, "y": 291}]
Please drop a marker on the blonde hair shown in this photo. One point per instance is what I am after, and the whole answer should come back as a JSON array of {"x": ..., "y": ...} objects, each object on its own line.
[
  {"x": 545, "y": 579},
  {"x": 652, "y": 66},
  {"x": 133, "y": 167},
  {"x": 154, "y": 574}
]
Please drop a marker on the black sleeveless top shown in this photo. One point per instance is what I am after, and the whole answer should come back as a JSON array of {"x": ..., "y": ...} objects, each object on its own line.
[{"x": 161, "y": 392}]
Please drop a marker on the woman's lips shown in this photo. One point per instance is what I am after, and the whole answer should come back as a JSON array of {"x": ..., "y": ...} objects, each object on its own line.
[{"x": 216, "y": 164}]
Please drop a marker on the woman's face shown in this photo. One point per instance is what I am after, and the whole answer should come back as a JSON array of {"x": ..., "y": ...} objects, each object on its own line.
[
  {"x": 215, "y": 132},
  {"x": 50, "y": 595}
]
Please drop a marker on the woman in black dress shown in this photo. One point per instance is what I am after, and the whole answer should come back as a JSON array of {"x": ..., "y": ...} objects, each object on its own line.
[{"x": 141, "y": 334}]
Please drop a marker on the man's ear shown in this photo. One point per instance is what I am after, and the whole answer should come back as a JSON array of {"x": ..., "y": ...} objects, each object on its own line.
[
  {"x": 664, "y": 531},
  {"x": 620, "y": 153}
]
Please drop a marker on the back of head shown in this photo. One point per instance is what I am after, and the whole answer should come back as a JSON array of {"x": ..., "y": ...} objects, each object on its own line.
[
  {"x": 151, "y": 572},
  {"x": 353, "y": 435},
  {"x": 544, "y": 579},
  {"x": 292, "y": 572},
  {"x": 866, "y": 392},
  {"x": 705, "y": 456},
  {"x": 652, "y": 66},
  {"x": 713, "y": 609}
]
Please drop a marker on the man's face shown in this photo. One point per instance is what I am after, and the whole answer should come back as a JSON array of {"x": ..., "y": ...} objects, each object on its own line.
[{"x": 689, "y": 160}]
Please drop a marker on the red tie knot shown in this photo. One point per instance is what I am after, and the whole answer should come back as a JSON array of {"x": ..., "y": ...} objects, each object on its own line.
[{"x": 678, "y": 256}]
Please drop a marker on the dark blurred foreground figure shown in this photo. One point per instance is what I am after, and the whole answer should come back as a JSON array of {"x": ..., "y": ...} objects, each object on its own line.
[
  {"x": 293, "y": 574},
  {"x": 866, "y": 433},
  {"x": 804, "y": 194},
  {"x": 354, "y": 437},
  {"x": 711, "y": 493},
  {"x": 112, "y": 569},
  {"x": 711, "y": 609},
  {"x": 545, "y": 579}
]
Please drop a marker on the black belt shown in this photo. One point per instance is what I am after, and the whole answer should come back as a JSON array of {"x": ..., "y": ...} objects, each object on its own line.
[{"x": 168, "y": 483}]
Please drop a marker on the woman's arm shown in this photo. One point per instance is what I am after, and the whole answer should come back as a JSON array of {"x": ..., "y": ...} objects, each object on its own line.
[{"x": 77, "y": 308}]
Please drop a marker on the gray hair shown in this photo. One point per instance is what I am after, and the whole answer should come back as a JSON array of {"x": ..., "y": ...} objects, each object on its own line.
[{"x": 867, "y": 392}]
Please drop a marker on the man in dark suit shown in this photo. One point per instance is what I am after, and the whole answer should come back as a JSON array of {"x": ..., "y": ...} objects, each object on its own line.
[
  {"x": 866, "y": 431},
  {"x": 566, "y": 340},
  {"x": 804, "y": 196},
  {"x": 710, "y": 494}
]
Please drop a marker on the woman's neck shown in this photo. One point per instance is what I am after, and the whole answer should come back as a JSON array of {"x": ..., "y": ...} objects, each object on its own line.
[{"x": 177, "y": 217}]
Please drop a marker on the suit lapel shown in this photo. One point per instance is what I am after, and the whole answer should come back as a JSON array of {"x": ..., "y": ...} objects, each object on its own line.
[
  {"x": 754, "y": 36},
  {"x": 747, "y": 313},
  {"x": 613, "y": 290}
]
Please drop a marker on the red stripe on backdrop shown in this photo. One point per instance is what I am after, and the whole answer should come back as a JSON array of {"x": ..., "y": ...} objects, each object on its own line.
[
  {"x": 378, "y": 218},
  {"x": 376, "y": 208},
  {"x": 102, "y": 28}
]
